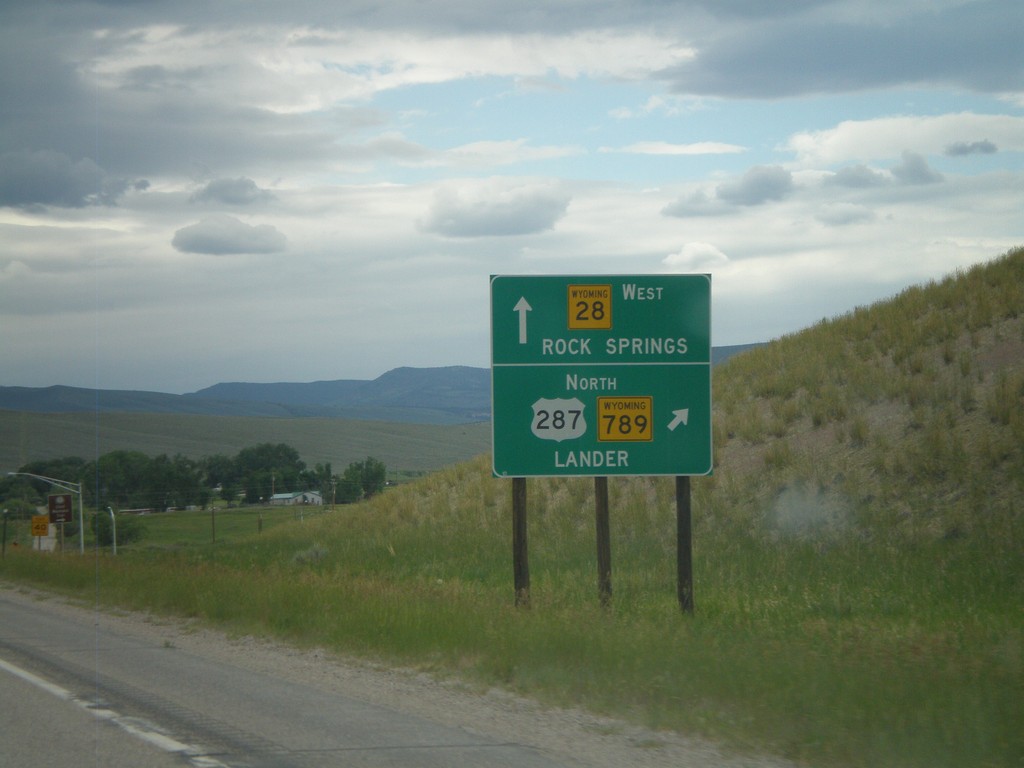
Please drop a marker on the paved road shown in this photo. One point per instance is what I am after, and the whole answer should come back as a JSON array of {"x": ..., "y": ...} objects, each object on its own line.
[
  {"x": 75, "y": 693},
  {"x": 40, "y": 727}
]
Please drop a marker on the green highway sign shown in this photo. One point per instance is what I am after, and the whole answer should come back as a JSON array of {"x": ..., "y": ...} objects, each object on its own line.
[{"x": 601, "y": 375}]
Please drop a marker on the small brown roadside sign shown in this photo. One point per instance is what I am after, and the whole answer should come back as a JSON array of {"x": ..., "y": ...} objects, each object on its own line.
[{"x": 59, "y": 505}]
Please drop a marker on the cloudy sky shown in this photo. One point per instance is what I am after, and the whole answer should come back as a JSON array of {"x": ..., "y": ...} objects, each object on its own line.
[{"x": 196, "y": 191}]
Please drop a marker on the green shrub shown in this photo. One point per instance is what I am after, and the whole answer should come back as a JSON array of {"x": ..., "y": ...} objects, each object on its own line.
[{"x": 130, "y": 528}]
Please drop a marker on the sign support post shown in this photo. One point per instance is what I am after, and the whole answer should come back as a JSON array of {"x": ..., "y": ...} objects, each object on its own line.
[
  {"x": 59, "y": 508},
  {"x": 520, "y": 556},
  {"x": 604, "y": 542},
  {"x": 684, "y": 545}
]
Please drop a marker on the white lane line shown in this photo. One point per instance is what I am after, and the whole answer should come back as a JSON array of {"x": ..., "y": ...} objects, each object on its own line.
[{"x": 128, "y": 725}]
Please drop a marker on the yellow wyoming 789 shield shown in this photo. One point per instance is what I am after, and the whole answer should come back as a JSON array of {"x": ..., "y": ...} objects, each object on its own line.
[{"x": 625, "y": 419}]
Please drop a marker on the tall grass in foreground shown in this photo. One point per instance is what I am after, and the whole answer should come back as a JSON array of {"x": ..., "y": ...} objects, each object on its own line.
[
  {"x": 830, "y": 650},
  {"x": 859, "y": 557}
]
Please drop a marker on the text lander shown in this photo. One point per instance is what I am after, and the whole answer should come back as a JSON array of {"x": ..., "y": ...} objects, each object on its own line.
[{"x": 610, "y": 458}]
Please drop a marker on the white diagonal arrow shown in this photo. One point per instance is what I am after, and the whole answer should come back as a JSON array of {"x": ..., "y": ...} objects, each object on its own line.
[
  {"x": 522, "y": 307},
  {"x": 681, "y": 417}
]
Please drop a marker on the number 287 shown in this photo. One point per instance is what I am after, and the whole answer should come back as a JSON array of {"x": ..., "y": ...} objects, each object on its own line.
[{"x": 557, "y": 419}]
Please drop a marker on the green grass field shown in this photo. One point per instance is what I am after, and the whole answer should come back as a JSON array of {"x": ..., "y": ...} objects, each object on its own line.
[
  {"x": 858, "y": 556},
  {"x": 174, "y": 530},
  {"x": 26, "y": 437}
]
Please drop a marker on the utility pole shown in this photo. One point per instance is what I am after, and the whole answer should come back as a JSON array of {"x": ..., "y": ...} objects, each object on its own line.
[{"x": 64, "y": 485}]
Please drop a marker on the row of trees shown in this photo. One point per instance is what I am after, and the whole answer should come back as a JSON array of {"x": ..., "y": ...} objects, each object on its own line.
[{"x": 133, "y": 480}]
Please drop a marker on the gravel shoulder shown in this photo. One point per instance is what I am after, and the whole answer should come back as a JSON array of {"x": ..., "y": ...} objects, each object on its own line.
[{"x": 573, "y": 735}]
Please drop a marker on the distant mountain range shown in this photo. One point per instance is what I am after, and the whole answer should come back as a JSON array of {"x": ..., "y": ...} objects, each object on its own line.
[{"x": 451, "y": 395}]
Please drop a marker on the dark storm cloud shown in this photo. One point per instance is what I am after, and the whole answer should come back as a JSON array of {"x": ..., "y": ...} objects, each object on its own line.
[
  {"x": 974, "y": 46},
  {"x": 154, "y": 77},
  {"x": 45, "y": 177},
  {"x": 147, "y": 120},
  {"x": 963, "y": 148},
  {"x": 241, "y": 191},
  {"x": 146, "y": 138},
  {"x": 221, "y": 235}
]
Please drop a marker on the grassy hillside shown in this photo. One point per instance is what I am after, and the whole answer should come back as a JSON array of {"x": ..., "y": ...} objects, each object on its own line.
[
  {"x": 27, "y": 437},
  {"x": 902, "y": 421},
  {"x": 859, "y": 556}
]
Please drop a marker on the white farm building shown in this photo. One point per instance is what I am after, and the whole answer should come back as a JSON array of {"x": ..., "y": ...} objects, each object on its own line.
[{"x": 296, "y": 498}]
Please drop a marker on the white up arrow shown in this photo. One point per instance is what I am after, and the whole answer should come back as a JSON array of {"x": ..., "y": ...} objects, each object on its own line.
[
  {"x": 522, "y": 307},
  {"x": 681, "y": 417}
]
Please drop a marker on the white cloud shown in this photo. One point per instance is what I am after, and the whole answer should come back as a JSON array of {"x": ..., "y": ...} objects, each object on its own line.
[
  {"x": 495, "y": 208},
  {"x": 696, "y": 203},
  {"x": 303, "y": 69},
  {"x": 964, "y": 148},
  {"x": 760, "y": 184},
  {"x": 888, "y": 137},
  {"x": 842, "y": 214},
  {"x": 757, "y": 186},
  {"x": 914, "y": 169},
  {"x": 857, "y": 177},
  {"x": 695, "y": 257}
]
